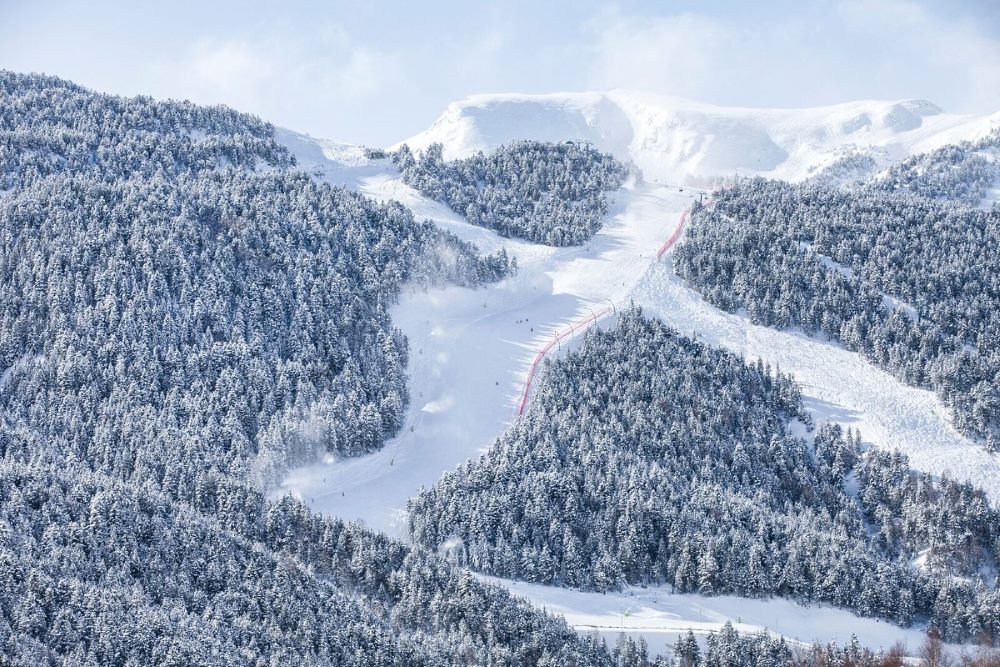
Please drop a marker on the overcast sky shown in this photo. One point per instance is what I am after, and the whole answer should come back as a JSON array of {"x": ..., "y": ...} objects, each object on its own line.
[{"x": 377, "y": 72}]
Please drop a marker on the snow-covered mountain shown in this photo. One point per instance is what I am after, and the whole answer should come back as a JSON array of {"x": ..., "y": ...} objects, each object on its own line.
[
  {"x": 472, "y": 349},
  {"x": 684, "y": 142},
  {"x": 269, "y": 327}
]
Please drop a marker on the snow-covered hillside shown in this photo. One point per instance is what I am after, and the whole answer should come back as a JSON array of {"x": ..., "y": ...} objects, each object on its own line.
[
  {"x": 837, "y": 385},
  {"x": 684, "y": 142},
  {"x": 470, "y": 349}
]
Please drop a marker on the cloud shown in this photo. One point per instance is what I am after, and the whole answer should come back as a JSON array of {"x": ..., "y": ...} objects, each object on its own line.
[
  {"x": 705, "y": 57},
  {"x": 831, "y": 53},
  {"x": 229, "y": 67},
  {"x": 668, "y": 54},
  {"x": 288, "y": 77},
  {"x": 954, "y": 53}
]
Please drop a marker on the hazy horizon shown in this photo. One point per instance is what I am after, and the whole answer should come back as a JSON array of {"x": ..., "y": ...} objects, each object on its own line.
[{"x": 379, "y": 73}]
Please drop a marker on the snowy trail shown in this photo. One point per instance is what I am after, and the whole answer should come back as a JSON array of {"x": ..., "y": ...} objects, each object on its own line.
[
  {"x": 596, "y": 316},
  {"x": 558, "y": 337},
  {"x": 469, "y": 349},
  {"x": 837, "y": 385}
]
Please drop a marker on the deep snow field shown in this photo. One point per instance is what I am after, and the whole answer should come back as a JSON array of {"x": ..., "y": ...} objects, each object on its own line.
[{"x": 470, "y": 349}]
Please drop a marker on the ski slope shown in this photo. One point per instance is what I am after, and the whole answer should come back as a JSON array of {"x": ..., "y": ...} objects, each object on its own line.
[
  {"x": 471, "y": 351},
  {"x": 837, "y": 385}
]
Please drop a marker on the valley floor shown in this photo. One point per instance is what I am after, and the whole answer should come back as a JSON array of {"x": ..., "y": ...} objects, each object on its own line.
[{"x": 470, "y": 351}]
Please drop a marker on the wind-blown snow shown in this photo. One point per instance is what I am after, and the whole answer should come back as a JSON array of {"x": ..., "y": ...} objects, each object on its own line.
[{"x": 679, "y": 141}]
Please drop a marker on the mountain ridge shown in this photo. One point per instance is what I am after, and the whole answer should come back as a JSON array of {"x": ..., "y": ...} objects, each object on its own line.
[{"x": 680, "y": 141}]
